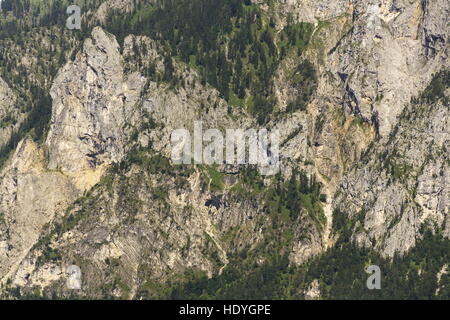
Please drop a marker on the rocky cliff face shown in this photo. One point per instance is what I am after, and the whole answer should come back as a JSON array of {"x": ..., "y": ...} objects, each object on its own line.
[
  {"x": 373, "y": 57},
  {"x": 31, "y": 196},
  {"x": 403, "y": 189},
  {"x": 7, "y": 112},
  {"x": 92, "y": 104},
  {"x": 101, "y": 193},
  {"x": 382, "y": 53}
]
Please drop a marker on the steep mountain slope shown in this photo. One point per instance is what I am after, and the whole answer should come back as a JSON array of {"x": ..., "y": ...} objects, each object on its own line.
[{"x": 357, "y": 89}]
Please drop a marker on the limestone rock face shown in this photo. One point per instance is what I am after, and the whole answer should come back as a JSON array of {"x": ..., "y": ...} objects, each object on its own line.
[
  {"x": 313, "y": 291},
  {"x": 97, "y": 107},
  {"x": 313, "y": 11},
  {"x": 91, "y": 106},
  {"x": 101, "y": 193},
  {"x": 92, "y": 101},
  {"x": 171, "y": 109},
  {"x": 133, "y": 233},
  {"x": 372, "y": 58},
  {"x": 403, "y": 185},
  {"x": 30, "y": 196},
  {"x": 307, "y": 244},
  {"x": 6, "y": 97},
  {"x": 109, "y": 6},
  {"x": 386, "y": 56},
  {"x": 9, "y": 118},
  {"x": 376, "y": 57}
]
